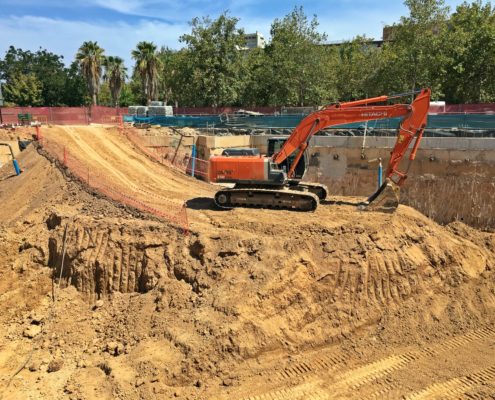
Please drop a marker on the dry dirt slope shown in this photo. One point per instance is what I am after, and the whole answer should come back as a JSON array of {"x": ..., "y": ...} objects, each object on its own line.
[{"x": 279, "y": 305}]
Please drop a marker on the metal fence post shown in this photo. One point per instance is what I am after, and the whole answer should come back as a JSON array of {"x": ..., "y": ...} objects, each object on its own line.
[
  {"x": 16, "y": 167},
  {"x": 193, "y": 162},
  {"x": 380, "y": 173}
]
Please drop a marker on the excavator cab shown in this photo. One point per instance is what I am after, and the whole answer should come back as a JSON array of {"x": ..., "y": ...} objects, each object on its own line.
[{"x": 274, "y": 146}]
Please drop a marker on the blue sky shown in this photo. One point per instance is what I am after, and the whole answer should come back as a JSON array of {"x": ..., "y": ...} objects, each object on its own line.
[{"x": 62, "y": 25}]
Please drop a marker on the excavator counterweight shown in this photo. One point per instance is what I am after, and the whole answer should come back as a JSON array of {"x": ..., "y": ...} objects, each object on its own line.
[{"x": 269, "y": 182}]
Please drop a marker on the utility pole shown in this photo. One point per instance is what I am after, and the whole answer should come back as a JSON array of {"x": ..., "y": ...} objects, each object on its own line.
[{"x": 1, "y": 103}]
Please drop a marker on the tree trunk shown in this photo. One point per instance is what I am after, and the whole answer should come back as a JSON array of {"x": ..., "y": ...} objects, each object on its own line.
[{"x": 94, "y": 99}]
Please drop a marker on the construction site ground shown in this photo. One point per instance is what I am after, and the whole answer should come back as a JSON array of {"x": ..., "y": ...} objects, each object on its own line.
[{"x": 250, "y": 304}]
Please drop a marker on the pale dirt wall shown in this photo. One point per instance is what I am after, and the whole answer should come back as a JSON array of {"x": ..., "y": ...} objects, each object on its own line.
[
  {"x": 5, "y": 156},
  {"x": 444, "y": 183}
]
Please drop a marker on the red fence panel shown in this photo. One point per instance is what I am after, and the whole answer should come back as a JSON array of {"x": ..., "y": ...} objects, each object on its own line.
[
  {"x": 107, "y": 115},
  {"x": 470, "y": 108},
  {"x": 112, "y": 115},
  {"x": 68, "y": 116}
]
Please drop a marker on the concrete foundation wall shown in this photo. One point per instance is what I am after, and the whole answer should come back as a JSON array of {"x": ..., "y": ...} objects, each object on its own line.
[{"x": 214, "y": 145}]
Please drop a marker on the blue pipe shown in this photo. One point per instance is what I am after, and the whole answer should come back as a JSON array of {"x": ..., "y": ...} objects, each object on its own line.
[
  {"x": 16, "y": 167},
  {"x": 193, "y": 155},
  {"x": 380, "y": 173}
]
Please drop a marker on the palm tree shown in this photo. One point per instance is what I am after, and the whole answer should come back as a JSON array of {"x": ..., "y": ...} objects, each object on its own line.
[
  {"x": 115, "y": 75},
  {"x": 90, "y": 57},
  {"x": 147, "y": 66}
]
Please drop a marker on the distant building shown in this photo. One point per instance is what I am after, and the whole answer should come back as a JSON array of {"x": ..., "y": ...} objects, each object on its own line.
[
  {"x": 387, "y": 36},
  {"x": 255, "y": 40},
  {"x": 388, "y": 33},
  {"x": 337, "y": 43}
]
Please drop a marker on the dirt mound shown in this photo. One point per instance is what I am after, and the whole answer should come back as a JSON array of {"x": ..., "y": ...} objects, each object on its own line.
[
  {"x": 211, "y": 302},
  {"x": 249, "y": 301}
]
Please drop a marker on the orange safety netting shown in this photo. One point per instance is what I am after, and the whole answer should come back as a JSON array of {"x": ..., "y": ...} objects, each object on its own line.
[{"x": 132, "y": 195}]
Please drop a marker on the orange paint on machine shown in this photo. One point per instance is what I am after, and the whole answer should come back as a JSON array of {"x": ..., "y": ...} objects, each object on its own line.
[{"x": 232, "y": 169}]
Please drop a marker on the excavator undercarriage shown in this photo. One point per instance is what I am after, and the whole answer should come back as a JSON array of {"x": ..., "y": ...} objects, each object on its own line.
[
  {"x": 283, "y": 198},
  {"x": 303, "y": 196}
]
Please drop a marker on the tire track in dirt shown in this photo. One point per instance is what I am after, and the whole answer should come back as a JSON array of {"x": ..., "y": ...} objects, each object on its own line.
[
  {"x": 460, "y": 341},
  {"x": 452, "y": 388},
  {"x": 367, "y": 373},
  {"x": 320, "y": 376},
  {"x": 311, "y": 389},
  {"x": 300, "y": 370}
]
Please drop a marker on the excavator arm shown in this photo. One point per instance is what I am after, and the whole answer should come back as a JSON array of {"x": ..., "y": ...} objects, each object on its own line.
[{"x": 412, "y": 126}]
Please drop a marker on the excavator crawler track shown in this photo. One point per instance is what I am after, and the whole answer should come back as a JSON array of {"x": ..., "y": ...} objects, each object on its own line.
[
  {"x": 316, "y": 188},
  {"x": 267, "y": 198}
]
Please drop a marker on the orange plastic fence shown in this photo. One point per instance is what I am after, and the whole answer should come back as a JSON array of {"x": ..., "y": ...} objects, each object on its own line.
[
  {"x": 157, "y": 205},
  {"x": 66, "y": 115}
]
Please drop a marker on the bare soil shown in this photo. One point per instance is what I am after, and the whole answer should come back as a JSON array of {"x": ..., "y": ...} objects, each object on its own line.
[{"x": 252, "y": 304}]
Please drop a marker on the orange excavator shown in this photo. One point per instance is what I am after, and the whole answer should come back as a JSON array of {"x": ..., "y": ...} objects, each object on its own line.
[{"x": 271, "y": 182}]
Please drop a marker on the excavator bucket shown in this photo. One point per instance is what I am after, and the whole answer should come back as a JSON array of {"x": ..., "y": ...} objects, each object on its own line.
[{"x": 385, "y": 199}]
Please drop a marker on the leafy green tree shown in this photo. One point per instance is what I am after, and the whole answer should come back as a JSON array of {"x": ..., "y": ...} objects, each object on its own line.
[
  {"x": 49, "y": 70},
  {"x": 147, "y": 68},
  {"x": 127, "y": 97},
  {"x": 184, "y": 89},
  {"x": 52, "y": 74},
  {"x": 105, "y": 96},
  {"x": 215, "y": 59},
  {"x": 415, "y": 57},
  {"x": 168, "y": 75},
  {"x": 75, "y": 92},
  {"x": 470, "y": 44},
  {"x": 23, "y": 90},
  {"x": 296, "y": 73},
  {"x": 135, "y": 87},
  {"x": 90, "y": 56},
  {"x": 356, "y": 69},
  {"x": 115, "y": 75},
  {"x": 255, "y": 90}
]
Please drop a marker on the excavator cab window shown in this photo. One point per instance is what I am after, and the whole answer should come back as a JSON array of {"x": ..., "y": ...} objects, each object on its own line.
[{"x": 274, "y": 146}]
